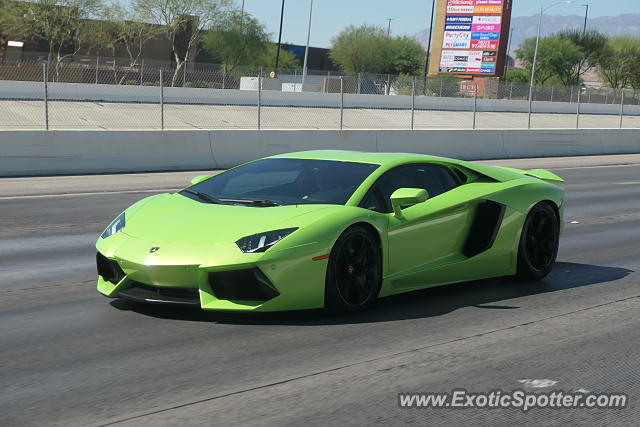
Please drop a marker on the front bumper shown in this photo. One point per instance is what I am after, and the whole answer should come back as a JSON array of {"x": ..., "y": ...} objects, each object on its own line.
[{"x": 215, "y": 277}]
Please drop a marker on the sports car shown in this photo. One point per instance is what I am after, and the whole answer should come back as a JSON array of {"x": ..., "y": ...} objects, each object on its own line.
[{"x": 333, "y": 229}]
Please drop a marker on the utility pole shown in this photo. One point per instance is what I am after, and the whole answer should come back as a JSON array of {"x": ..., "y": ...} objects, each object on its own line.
[
  {"x": 586, "y": 17},
  {"x": 426, "y": 62},
  {"x": 242, "y": 18},
  {"x": 389, "y": 26},
  {"x": 279, "y": 38}
]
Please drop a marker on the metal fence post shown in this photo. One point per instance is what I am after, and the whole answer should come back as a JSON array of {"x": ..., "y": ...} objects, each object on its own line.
[
  {"x": 388, "y": 84},
  {"x": 341, "y": 102},
  {"x": 259, "y": 98},
  {"x": 552, "y": 93},
  {"x": 161, "y": 100},
  {"x": 359, "y": 83},
  {"x": 45, "y": 95},
  {"x": 511, "y": 91},
  {"x": 141, "y": 72},
  {"x": 184, "y": 74},
  {"x": 224, "y": 76},
  {"x": 530, "y": 105},
  {"x": 97, "y": 65},
  {"x": 621, "y": 108},
  {"x": 578, "y": 110},
  {"x": 441, "y": 87},
  {"x": 475, "y": 105},
  {"x": 571, "y": 96},
  {"x": 413, "y": 102}
]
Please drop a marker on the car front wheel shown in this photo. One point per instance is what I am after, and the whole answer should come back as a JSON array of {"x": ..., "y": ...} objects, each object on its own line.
[{"x": 354, "y": 273}]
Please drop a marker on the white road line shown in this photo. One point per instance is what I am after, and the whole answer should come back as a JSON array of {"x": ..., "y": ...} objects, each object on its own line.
[
  {"x": 628, "y": 183},
  {"x": 533, "y": 383},
  {"x": 95, "y": 193},
  {"x": 622, "y": 165}
]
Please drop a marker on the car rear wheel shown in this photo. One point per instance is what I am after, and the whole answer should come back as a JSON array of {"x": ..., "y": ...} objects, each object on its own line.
[
  {"x": 354, "y": 273},
  {"x": 538, "y": 243}
]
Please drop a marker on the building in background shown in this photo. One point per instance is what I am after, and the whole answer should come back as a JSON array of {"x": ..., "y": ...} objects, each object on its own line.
[
  {"x": 158, "y": 48},
  {"x": 318, "y": 60},
  {"x": 13, "y": 49}
]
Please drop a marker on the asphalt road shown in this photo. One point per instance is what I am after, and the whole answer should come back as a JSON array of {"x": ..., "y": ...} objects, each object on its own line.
[{"x": 69, "y": 356}]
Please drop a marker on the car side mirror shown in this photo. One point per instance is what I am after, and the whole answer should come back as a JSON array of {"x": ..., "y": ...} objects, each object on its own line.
[
  {"x": 405, "y": 197},
  {"x": 198, "y": 179}
]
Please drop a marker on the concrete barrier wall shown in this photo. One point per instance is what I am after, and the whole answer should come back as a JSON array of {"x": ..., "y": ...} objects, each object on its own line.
[
  {"x": 148, "y": 94},
  {"x": 25, "y": 153},
  {"x": 69, "y": 152}
]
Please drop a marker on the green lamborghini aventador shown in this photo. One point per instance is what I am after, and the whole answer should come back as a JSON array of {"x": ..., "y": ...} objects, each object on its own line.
[{"x": 333, "y": 229}]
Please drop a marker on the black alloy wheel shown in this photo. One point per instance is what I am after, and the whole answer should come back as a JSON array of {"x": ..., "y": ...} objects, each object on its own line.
[
  {"x": 354, "y": 271},
  {"x": 538, "y": 243}
]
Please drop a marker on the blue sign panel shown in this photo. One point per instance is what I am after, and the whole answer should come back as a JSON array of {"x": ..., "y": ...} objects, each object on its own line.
[
  {"x": 485, "y": 36},
  {"x": 459, "y": 19},
  {"x": 457, "y": 27}
]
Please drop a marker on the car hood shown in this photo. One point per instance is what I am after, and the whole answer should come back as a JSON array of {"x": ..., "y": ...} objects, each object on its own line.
[{"x": 179, "y": 219}]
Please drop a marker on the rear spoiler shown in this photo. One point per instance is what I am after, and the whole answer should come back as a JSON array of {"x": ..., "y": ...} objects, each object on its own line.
[{"x": 542, "y": 174}]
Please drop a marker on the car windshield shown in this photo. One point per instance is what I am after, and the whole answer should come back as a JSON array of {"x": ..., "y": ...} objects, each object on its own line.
[{"x": 280, "y": 181}]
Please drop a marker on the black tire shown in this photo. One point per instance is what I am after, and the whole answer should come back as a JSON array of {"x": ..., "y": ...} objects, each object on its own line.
[
  {"x": 354, "y": 272},
  {"x": 538, "y": 243}
]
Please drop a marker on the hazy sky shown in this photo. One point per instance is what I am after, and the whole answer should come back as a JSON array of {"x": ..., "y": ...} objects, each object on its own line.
[{"x": 410, "y": 16}]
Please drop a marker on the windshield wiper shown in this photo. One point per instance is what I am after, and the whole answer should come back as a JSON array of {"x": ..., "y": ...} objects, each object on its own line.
[
  {"x": 201, "y": 196},
  {"x": 264, "y": 203}
]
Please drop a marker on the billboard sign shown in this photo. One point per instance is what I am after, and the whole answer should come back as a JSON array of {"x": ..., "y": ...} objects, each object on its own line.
[{"x": 473, "y": 30}]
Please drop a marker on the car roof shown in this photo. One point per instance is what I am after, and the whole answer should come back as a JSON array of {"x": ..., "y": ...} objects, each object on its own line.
[{"x": 385, "y": 159}]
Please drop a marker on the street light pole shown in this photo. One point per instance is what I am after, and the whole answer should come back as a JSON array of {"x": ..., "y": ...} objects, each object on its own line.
[
  {"x": 533, "y": 67},
  {"x": 506, "y": 65},
  {"x": 535, "y": 54},
  {"x": 306, "y": 50},
  {"x": 279, "y": 38}
]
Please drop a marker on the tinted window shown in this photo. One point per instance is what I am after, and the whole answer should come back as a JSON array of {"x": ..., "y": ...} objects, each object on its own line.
[
  {"x": 288, "y": 181},
  {"x": 448, "y": 178},
  {"x": 436, "y": 179}
]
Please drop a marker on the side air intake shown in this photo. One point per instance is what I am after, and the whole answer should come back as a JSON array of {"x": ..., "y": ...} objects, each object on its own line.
[
  {"x": 485, "y": 227},
  {"x": 109, "y": 269},
  {"x": 247, "y": 285}
]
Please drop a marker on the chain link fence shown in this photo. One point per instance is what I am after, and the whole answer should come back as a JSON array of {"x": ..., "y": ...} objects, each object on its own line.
[{"x": 99, "y": 93}]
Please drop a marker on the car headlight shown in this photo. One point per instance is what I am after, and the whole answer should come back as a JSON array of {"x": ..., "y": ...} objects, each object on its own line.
[
  {"x": 115, "y": 226},
  {"x": 262, "y": 241}
]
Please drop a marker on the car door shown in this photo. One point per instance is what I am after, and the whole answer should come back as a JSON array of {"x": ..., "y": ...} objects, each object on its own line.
[{"x": 429, "y": 234}]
